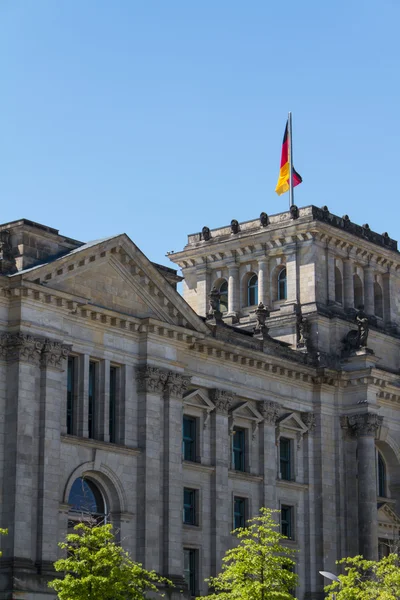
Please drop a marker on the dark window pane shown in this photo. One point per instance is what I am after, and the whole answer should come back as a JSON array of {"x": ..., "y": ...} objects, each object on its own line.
[
  {"x": 223, "y": 300},
  {"x": 189, "y": 506},
  {"x": 70, "y": 395},
  {"x": 85, "y": 498},
  {"x": 238, "y": 449},
  {"x": 282, "y": 285},
  {"x": 239, "y": 512},
  {"x": 113, "y": 399},
  {"x": 91, "y": 404},
  {"x": 381, "y": 477},
  {"x": 285, "y": 447},
  {"x": 189, "y": 568},
  {"x": 189, "y": 438},
  {"x": 252, "y": 291},
  {"x": 286, "y": 521}
]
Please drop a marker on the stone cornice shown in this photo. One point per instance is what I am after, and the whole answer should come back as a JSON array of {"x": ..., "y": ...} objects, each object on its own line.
[
  {"x": 108, "y": 447},
  {"x": 291, "y": 485},
  {"x": 244, "y": 476},
  {"x": 195, "y": 466}
]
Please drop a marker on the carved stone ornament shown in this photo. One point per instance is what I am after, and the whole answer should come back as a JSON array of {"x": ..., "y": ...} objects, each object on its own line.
[
  {"x": 54, "y": 353},
  {"x": 264, "y": 219},
  {"x": 270, "y": 411},
  {"x": 356, "y": 338},
  {"x": 365, "y": 424},
  {"x": 206, "y": 234},
  {"x": 234, "y": 226},
  {"x": 222, "y": 400},
  {"x": 294, "y": 212},
  {"x": 25, "y": 348},
  {"x": 309, "y": 420},
  {"x": 262, "y": 314},
  {"x": 151, "y": 379},
  {"x": 7, "y": 259},
  {"x": 177, "y": 384}
]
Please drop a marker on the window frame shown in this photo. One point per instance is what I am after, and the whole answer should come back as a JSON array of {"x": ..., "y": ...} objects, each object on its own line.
[
  {"x": 241, "y": 450},
  {"x": 193, "y": 554},
  {"x": 192, "y": 506},
  {"x": 252, "y": 288},
  {"x": 71, "y": 395},
  {"x": 381, "y": 476},
  {"x": 243, "y": 516},
  {"x": 192, "y": 440},
  {"x": 288, "y": 461},
  {"x": 224, "y": 293},
  {"x": 290, "y": 535},
  {"x": 282, "y": 280},
  {"x": 112, "y": 404},
  {"x": 92, "y": 393}
]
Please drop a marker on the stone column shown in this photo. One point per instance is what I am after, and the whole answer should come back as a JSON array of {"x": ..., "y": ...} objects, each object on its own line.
[
  {"x": 330, "y": 265},
  {"x": 233, "y": 289},
  {"x": 366, "y": 426},
  {"x": 348, "y": 283},
  {"x": 83, "y": 395},
  {"x": 175, "y": 387},
  {"x": 270, "y": 412},
  {"x": 150, "y": 385},
  {"x": 53, "y": 391},
  {"x": 264, "y": 295},
  {"x": 102, "y": 412},
  {"x": 221, "y": 514},
  {"x": 387, "y": 296},
  {"x": 19, "y": 493},
  {"x": 369, "y": 301},
  {"x": 292, "y": 279},
  {"x": 203, "y": 290}
]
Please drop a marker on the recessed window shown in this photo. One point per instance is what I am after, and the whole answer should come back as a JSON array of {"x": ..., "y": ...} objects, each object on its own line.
[
  {"x": 238, "y": 449},
  {"x": 189, "y": 506},
  {"x": 190, "y": 569},
  {"x": 223, "y": 299},
  {"x": 378, "y": 300},
  {"x": 282, "y": 287},
  {"x": 189, "y": 438},
  {"x": 239, "y": 512},
  {"x": 91, "y": 399},
  {"x": 338, "y": 286},
  {"x": 112, "y": 404},
  {"x": 252, "y": 291},
  {"x": 285, "y": 458},
  {"x": 381, "y": 476},
  {"x": 287, "y": 521},
  {"x": 86, "y": 502},
  {"x": 358, "y": 292},
  {"x": 71, "y": 395}
]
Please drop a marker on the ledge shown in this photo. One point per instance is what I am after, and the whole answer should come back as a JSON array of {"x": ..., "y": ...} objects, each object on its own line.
[
  {"x": 244, "y": 476},
  {"x": 291, "y": 485},
  {"x": 196, "y": 466},
  {"x": 99, "y": 445}
]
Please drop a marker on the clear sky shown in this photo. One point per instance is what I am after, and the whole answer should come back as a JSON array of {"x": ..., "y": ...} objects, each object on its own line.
[{"x": 155, "y": 118}]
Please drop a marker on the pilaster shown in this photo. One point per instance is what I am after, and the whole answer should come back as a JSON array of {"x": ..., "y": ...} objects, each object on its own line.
[
  {"x": 348, "y": 284},
  {"x": 369, "y": 304},
  {"x": 264, "y": 295},
  {"x": 83, "y": 395},
  {"x": 233, "y": 289},
  {"x": 270, "y": 412},
  {"x": 203, "y": 289}
]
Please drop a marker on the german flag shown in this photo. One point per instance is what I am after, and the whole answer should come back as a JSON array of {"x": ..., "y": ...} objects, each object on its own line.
[{"x": 283, "y": 180}]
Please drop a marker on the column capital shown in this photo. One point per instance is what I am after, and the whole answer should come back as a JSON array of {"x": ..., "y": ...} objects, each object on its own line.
[
  {"x": 177, "y": 384},
  {"x": 23, "y": 347},
  {"x": 270, "y": 411},
  {"x": 309, "y": 420},
  {"x": 54, "y": 353},
  {"x": 365, "y": 424},
  {"x": 222, "y": 399},
  {"x": 151, "y": 379}
]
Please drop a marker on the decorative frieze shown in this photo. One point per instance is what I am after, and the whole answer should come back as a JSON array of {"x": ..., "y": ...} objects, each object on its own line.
[
  {"x": 222, "y": 399},
  {"x": 270, "y": 411},
  {"x": 365, "y": 424},
  {"x": 151, "y": 379},
  {"x": 54, "y": 354},
  {"x": 177, "y": 384}
]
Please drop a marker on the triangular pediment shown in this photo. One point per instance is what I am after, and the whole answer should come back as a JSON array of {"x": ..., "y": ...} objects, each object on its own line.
[
  {"x": 246, "y": 411},
  {"x": 292, "y": 422},
  {"x": 387, "y": 516},
  {"x": 198, "y": 399},
  {"x": 114, "y": 274}
]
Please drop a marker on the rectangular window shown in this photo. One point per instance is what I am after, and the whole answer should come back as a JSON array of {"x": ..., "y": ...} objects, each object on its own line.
[
  {"x": 287, "y": 521},
  {"x": 70, "y": 395},
  {"x": 112, "y": 405},
  {"x": 189, "y": 506},
  {"x": 238, "y": 449},
  {"x": 91, "y": 399},
  {"x": 189, "y": 438},
  {"x": 190, "y": 568},
  {"x": 239, "y": 512},
  {"x": 285, "y": 457}
]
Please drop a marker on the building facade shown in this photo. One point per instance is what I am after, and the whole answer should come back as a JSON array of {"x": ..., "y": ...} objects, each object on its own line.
[{"x": 274, "y": 381}]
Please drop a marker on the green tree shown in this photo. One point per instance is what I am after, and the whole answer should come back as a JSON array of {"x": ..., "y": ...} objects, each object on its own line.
[
  {"x": 259, "y": 567},
  {"x": 3, "y": 532},
  {"x": 97, "y": 568},
  {"x": 367, "y": 579}
]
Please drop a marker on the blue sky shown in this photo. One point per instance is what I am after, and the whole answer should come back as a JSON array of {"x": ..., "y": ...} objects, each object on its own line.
[{"x": 155, "y": 118}]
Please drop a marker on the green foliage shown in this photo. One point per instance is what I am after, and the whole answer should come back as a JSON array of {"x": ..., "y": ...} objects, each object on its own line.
[
  {"x": 367, "y": 579},
  {"x": 259, "y": 567},
  {"x": 96, "y": 568},
  {"x": 3, "y": 532}
]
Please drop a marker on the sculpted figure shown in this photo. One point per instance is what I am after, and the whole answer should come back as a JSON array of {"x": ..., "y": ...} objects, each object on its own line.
[
  {"x": 213, "y": 298},
  {"x": 234, "y": 226},
  {"x": 264, "y": 220},
  {"x": 357, "y": 338},
  {"x": 206, "y": 233}
]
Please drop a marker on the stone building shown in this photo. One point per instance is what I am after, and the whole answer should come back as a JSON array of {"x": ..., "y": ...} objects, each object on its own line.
[{"x": 273, "y": 382}]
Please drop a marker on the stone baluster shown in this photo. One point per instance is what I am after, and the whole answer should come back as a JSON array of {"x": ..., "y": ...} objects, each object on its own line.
[
  {"x": 176, "y": 385},
  {"x": 222, "y": 518},
  {"x": 263, "y": 281},
  {"x": 366, "y": 426}
]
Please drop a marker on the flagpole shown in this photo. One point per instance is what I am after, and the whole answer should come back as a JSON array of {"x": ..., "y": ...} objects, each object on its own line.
[{"x": 291, "y": 199}]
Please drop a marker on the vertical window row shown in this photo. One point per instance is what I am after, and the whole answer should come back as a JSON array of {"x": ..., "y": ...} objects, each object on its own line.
[
  {"x": 285, "y": 459},
  {"x": 112, "y": 405},
  {"x": 91, "y": 398},
  {"x": 189, "y": 439},
  {"x": 190, "y": 567},
  {"x": 239, "y": 449}
]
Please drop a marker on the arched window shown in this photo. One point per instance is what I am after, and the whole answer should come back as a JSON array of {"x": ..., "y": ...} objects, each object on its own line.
[
  {"x": 282, "y": 288},
  {"x": 223, "y": 300},
  {"x": 252, "y": 291},
  {"x": 358, "y": 292},
  {"x": 378, "y": 300},
  {"x": 338, "y": 286},
  {"x": 381, "y": 476},
  {"x": 86, "y": 503}
]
